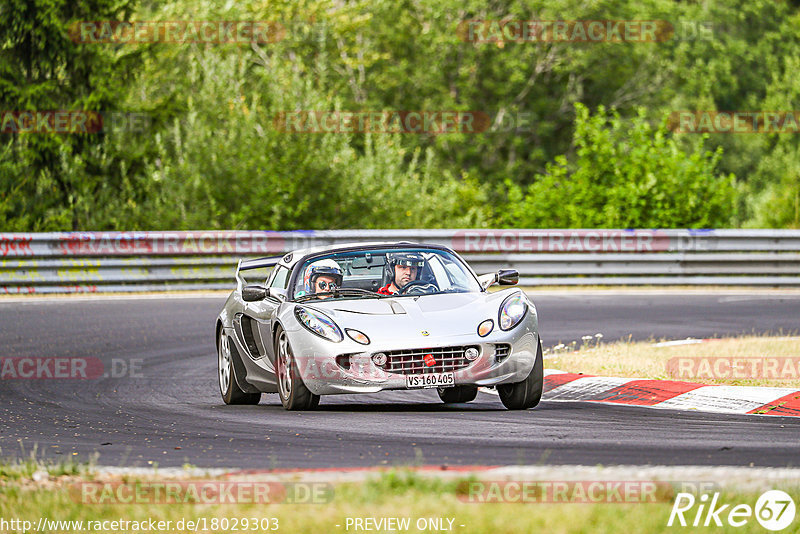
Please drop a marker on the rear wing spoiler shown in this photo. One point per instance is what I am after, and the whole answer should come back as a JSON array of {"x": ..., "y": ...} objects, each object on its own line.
[{"x": 258, "y": 263}]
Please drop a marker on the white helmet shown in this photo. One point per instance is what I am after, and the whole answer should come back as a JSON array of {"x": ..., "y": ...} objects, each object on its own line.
[{"x": 327, "y": 267}]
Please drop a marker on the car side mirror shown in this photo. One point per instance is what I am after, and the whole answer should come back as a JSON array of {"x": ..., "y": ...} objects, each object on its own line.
[
  {"x": 254, "y": 293},
  {"x": 504, "y": 277},
  {"x": 507, "y": 277}
]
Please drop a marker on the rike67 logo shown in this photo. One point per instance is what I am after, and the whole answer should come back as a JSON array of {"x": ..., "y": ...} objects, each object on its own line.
[{"x": 774, "y": 510}]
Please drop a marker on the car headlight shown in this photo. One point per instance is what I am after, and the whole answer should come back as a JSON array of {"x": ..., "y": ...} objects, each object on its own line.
[
  {"x": 512, "y": 311},
  {"x": 319, "y": 323}
]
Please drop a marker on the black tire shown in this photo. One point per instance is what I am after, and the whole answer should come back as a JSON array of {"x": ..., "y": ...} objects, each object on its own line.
[
  {"x": 457, "y": 394},
  {"x": 528, "y": 393},
  {"x": 226, "y": 373},
  {"x": 293, "y": 392}
]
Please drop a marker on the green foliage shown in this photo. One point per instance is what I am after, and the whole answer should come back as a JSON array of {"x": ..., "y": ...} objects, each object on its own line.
[
  {"x": 222, "y": 162},
  {"x": 777, "y": 203},
  {"x": 31, "y": 462},
  {"x": 625, "y": 174},
  {"x": 51, "y": 181},
  {"x": 406, "y": 481},
  {"x": 212, "y": 157}
]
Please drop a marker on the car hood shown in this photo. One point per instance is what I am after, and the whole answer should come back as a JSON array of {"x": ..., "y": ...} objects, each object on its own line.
[{"x": 407, "y": 318}]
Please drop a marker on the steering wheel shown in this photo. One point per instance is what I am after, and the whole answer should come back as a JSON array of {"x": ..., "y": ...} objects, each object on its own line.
[{"x": 423, "y": 288}]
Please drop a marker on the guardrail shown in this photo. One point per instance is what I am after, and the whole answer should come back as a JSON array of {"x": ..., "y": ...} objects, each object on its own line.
[{"x": 152, "y": 261}]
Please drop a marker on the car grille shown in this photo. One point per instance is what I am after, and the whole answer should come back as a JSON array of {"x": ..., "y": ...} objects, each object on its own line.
[
  {"x": 501, "y": 351},
  {"x": 411, "y": 362}
]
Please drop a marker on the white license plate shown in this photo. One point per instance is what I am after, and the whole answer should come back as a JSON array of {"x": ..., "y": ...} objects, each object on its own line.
[{"x": 431, "y": 380}]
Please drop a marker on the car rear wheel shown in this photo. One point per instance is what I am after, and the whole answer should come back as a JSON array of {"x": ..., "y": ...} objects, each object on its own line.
[
  {"x": 230, "y": 390},
  {"x": 293, "y": 392},
  {"x": 528, "y": 393},
  {"x": 457, "y": 394}
]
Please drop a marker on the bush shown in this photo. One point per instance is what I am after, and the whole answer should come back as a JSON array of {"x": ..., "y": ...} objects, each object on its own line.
[
  {"x": 624, "y": 174},
  {"x": 222, "y": 163}
]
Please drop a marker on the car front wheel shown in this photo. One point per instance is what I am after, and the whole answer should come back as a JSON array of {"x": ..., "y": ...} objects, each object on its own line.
[
  {"x": 293, "y": 392},
  {"x": 230, "y": 390},
  {"x": 528, "y": 393}
]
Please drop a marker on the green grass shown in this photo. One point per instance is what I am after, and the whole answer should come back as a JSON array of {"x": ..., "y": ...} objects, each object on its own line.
[
  {"x": 400, "y": 493},
  {"x": 26, "y": 466}
]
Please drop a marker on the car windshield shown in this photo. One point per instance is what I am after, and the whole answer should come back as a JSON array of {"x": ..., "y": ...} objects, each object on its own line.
[{"x": 383, "y": 272}]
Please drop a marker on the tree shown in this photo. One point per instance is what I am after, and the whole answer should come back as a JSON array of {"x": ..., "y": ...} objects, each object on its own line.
[
  {"x": 50, "y": 180},
  {"x": 625, "y": 174}
]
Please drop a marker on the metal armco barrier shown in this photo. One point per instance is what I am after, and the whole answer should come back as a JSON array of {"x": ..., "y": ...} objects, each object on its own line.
[{"x": 153, "y": 261}]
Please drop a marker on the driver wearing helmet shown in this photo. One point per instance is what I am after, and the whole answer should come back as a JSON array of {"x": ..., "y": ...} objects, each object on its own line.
[
  {"x": 321, "y": 277},
  {"x": 401, "y": 268}
]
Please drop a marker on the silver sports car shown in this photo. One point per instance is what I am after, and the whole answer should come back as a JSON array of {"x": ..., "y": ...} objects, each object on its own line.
[{"x": 362, "y": 318}]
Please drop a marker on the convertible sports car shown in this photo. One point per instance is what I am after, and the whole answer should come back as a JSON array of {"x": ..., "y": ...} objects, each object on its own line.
[{"x": 362, "y": 318}]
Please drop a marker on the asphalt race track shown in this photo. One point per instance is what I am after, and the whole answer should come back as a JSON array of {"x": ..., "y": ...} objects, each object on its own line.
[{"x": 170, "y": 413}]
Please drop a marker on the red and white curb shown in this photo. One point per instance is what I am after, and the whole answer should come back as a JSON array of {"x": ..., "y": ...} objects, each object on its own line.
[{"x": 562, "y": 386}]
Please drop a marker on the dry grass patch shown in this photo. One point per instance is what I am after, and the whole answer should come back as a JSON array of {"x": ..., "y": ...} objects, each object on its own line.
[{"x": 742, "y": 361}]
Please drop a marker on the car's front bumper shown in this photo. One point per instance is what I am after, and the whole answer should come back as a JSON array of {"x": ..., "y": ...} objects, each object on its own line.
[{"x": 324, "y": 376}]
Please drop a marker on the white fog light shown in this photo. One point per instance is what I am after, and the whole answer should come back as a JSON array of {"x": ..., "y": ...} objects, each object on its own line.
[
  {"x": 471, "y": 353},
  {"x": 358, "y": 337},
  {"x": 379, "y": 359}
]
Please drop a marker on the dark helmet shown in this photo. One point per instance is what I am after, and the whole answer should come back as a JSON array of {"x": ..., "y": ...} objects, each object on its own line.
[
  {"x": 408, "y": 259},
  {"x": 325, "y": 267}
]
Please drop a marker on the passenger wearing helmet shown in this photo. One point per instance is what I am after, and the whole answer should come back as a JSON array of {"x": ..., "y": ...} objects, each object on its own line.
[
  {"x": 321, "y": 277},
  {"x": 401, "y": 268}
]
